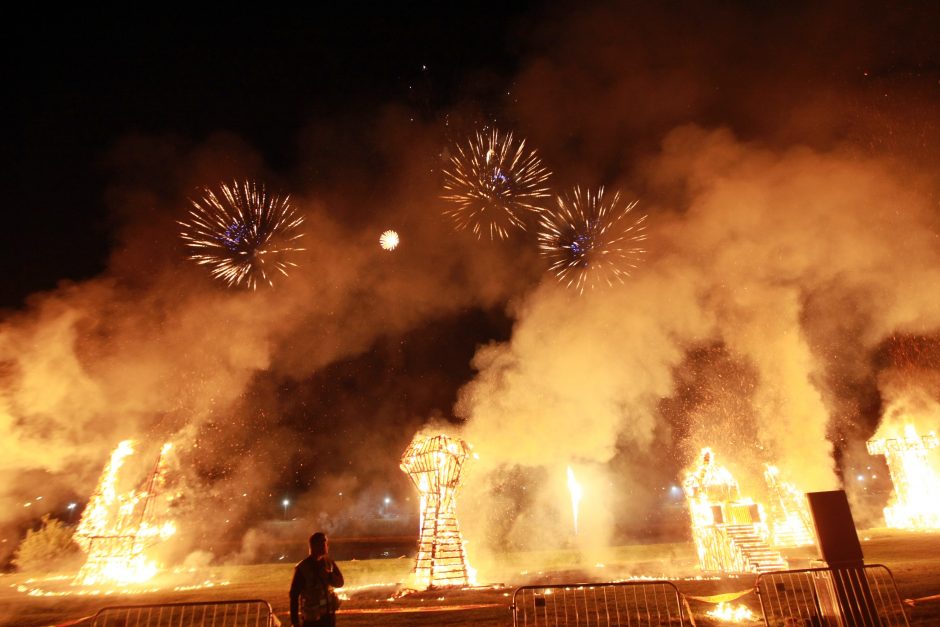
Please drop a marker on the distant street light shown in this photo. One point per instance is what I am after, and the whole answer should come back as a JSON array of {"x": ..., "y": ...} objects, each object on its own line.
[{"x": 286, "y": 504}]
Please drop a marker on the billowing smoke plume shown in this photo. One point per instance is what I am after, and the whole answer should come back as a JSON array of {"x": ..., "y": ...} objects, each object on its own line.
[
  {"x": 793, "y": 238},
  {"x": 763, "y": 233},
  {"x": 780, "y": 267},
  {"x": 155, "y": 349}
]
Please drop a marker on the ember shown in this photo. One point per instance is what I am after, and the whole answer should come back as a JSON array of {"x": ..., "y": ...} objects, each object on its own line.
[
  {"x": 730, "y": 531},
  {"x": 434, "y": 465},
  {"x": 916, "y": 500},
  {"x": 117, "y": 527}
]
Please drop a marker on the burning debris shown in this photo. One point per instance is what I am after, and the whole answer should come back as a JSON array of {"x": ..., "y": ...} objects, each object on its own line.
[
  {"x": 916, "y": 500},
  {"x": 791, "y": 524},
  {"x": 118, "y": 527},
  {"x": 729, "y": 613},
  {"x": 434, "y": 465},
  {"x": 730, "y": 531}
]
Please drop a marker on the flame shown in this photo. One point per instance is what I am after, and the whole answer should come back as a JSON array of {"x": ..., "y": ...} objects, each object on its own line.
[
  {"x": 916, "y": 501},
  {"x": 117, "y": 527},
  {"x": 790, "y": 518},
  {"x": 471, "y": 571},
  {"x": 576, "y": 493},
  {"x": 730, "y": 531},
  {"x": 733, "y": 613},
  {"x": 434, "y": 465},
  {"x": 51, "y": 587}
]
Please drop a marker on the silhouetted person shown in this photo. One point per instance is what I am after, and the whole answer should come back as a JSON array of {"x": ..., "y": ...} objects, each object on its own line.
[{"x": 314, "y": 579}]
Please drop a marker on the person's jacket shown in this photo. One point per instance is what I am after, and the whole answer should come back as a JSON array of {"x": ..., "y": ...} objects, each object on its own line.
[{"x": 312, "y": 588}]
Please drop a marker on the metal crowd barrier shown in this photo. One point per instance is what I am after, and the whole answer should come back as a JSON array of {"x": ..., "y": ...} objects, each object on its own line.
[
  {"x": 240, "y": 613},
  {"x": 864, "y": 597},
  {"x": 631, "y": 603}
]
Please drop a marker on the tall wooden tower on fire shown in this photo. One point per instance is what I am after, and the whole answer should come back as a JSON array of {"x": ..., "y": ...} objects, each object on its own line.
[{"x": 434, "y": 465}]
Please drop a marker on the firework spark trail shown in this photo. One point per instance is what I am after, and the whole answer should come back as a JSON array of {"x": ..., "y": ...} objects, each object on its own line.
[
  {"x": 576, "y": 493},
  {"x": 242, "y": 233},
  {"x": 493, "y": 182},
  {"x": 590, "y": 238}
]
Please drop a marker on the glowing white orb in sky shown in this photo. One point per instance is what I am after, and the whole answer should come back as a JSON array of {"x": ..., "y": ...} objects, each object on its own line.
[{"x": 389, "y": 240}]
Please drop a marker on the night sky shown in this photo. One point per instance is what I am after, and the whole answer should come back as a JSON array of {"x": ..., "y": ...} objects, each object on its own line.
[
  {"x": 117, "y": 119},
  {"x": 79, "y": 85},
  {"x": 85, "y": 85}
]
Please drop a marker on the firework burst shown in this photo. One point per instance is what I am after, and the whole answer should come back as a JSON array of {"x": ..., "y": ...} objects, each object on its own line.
[
  {"x": 242, "y": 233},
  {"x": 492, "y": 182},
  {"x": 389, "y": 240},
  {"x": 591, "y": 239}
]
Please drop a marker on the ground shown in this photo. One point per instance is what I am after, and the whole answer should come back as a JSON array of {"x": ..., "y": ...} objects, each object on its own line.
[{"x": 913, "y": 558}]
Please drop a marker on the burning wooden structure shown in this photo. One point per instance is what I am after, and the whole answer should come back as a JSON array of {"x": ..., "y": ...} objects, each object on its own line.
[
  {"x": 916, "y": 500},
  {"x": 730, "y": 531},
  {"x": 118, "y": 526},
  {"x": 790, "y": 521},
  {"x": 434, "y": 464}
]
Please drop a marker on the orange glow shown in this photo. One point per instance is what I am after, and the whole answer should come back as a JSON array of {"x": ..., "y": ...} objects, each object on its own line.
[
  {"x": 434, "y": 465},
  {"x": 730, "y": 531},
  {"x": 916, "y": 500},
  {"x": 65, "y": 586},
  {"x": 117, "y": 527},
  {"x": 733, "y": 613}
]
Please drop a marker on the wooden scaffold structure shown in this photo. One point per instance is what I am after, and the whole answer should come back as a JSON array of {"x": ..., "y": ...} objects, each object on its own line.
[
  {"x": 915, "y": 503},
  {"x": 118, "y": 527},
  {"x": 434, "y": 464}
]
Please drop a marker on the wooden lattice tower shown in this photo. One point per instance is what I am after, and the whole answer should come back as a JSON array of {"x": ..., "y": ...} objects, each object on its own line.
[
  {"x": 117, "y": 527},
  {"x": 916, "y": 485},
  {"x": 790, "y": 519},
  {"x": 434, "y": 465}
]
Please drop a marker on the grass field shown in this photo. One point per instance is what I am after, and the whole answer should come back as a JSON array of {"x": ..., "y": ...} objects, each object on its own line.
[{"x": 913, "y": 558}]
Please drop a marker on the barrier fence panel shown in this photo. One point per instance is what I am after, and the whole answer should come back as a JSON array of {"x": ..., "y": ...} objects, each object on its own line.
[
  {"x": 631, "y": 603},
  {"x": 241, "y": 613},
  {"x": 866, "y": 597}
]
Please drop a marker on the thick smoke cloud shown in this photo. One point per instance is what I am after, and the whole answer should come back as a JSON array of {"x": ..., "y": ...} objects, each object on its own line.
[
  {"x": 794, "y": 232},
  {"x": 763, "y": 232},
  {"x": 785, "y": 253},
  {"x": 155, "y": 349}
]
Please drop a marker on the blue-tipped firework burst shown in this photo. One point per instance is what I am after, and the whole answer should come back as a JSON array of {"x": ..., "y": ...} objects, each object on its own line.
[
  {"x": 243, "y": 234},
  {"x": 492, "y": 181},
  {"x": 590, "y": 239}
]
